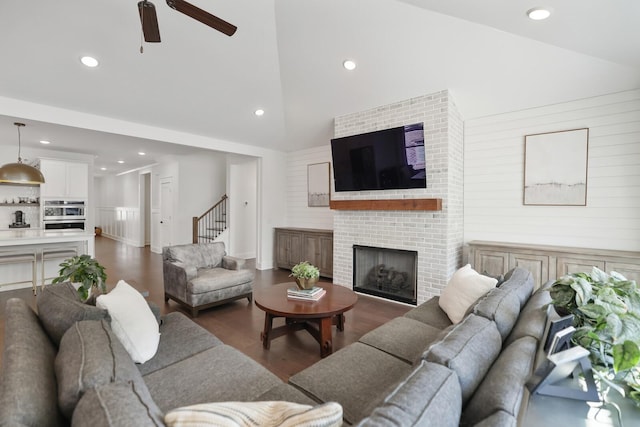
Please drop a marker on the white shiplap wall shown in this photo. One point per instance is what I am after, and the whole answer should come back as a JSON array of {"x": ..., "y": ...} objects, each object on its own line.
[
  {"x": 298, "y": 213},
  {"x": 494, "y": 171}
]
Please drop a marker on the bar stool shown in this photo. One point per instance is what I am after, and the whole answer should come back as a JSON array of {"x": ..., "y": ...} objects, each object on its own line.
[
  {"x": 49, "y": 254},
  {"x": 21, "y": 257}
]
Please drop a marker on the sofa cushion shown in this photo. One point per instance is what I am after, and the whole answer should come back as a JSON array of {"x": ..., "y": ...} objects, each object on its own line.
[
  {"x": 115, "y": 405},
  {"x": 332, "y": 379},
  {"x": 502, "y": 306},
  {"x": 429, "y": 312},
  {"x": 211, "y": 279},
  {"x": 284, "y": 391},
  {"x": 469, "y": 349},
  {"x": 498, "y": 419},
  {"x": 249, "y": 414},
  {"x": 533, "y": 317},
  {"x": 59, "y": 307},
  {"x": 430, "y": 395},
  {"x": 221, "y": 373},
  {"x": 28, "y": 389},
  {"x": 465, "y": 287},
  {"x": 132, "y": 321},
  {"x": 402, "y": 337},
  {"x": 90, "y": 355},
  {"x": 180, "y": 338},
  {"x": 519, "y": 281},
  {"x": 503, "y": 386}
]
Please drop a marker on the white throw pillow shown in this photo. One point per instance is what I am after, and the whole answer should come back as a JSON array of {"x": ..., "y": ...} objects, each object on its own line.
[
  {"x": 464, "y": 288},
  {"x": 250, "y": 414},
  {"x": 132, "y": 321}
]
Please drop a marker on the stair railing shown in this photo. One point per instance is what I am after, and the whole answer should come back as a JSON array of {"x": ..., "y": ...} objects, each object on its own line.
[{"x": 212, "y": 223}]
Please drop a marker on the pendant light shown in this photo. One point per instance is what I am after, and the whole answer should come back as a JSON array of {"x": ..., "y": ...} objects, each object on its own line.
[{"x": 20, "y": 173}]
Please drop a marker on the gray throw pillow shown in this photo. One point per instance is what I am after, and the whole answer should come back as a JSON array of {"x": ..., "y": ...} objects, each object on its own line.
[
  {"x": 117, "y": 404},
  {"x": 90, "y": 355},
  {"x": 59, "y": 307}
]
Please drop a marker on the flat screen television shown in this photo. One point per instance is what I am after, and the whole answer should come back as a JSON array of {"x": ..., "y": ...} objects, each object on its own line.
[{"x": 388, "y": 159}]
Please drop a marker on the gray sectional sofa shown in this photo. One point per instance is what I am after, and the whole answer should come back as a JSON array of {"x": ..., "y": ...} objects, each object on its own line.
[
  {"x": 419, "y": 369},
  {"x": 414, "y": 370}
]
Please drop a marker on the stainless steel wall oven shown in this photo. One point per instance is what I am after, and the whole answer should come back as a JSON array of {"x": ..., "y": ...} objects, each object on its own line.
[{"x": 62, "y": 214}]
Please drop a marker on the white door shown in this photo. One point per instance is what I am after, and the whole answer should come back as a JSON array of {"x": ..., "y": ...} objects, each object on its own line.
[{"x": 166, "y": 211}]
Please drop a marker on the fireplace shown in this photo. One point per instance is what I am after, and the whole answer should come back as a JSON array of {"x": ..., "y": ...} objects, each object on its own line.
[{"x": 387, "y": 273}]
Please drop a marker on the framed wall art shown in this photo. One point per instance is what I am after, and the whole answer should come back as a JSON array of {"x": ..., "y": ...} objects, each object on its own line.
[
  {"x": 555, "y": 168},
  {"x": 318, "y": 184}
]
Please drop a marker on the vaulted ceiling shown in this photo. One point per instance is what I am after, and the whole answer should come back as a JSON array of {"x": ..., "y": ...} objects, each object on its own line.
[{"x": 199, "y": 87}]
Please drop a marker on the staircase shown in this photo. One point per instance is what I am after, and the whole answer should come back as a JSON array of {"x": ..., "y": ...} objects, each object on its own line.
[{"x": 208, "y": 226}]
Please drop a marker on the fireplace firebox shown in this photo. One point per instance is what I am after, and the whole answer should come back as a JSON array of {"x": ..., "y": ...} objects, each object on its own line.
[{"x": 386, "y": 273}]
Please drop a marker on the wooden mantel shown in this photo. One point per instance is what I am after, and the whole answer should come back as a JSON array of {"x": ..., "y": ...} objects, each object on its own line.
[{"x": 387, "y": 205}]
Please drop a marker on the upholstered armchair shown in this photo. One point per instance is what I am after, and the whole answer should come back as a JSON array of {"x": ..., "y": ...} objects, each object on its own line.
[{"x": 200, "y": 276}]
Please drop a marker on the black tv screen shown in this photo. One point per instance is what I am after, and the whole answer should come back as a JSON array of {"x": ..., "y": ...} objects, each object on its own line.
[{"x": 383, "y": 160}]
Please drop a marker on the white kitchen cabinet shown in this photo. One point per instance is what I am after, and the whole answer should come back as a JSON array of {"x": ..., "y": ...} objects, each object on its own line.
[{"x": 64, "y": 180}]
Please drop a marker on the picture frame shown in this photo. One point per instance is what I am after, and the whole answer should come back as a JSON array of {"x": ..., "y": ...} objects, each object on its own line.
[
  {"x": 555, "y": 168},
  {"x": 318, "y": 184}
]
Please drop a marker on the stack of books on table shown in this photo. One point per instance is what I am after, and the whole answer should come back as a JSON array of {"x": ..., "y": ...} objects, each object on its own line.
[{"x": 313, "y": 294}]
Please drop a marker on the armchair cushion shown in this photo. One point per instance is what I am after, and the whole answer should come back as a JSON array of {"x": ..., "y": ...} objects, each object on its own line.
[
  {"x": 204, "y": 255},
  {"x": 210, "y": 279}
]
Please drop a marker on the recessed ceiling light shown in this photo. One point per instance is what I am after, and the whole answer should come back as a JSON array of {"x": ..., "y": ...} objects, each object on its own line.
[
  {"x": 89, "y": 61},
  {"x": 45, "y": 142},
  {"x": 259, "y": 112},
  {"x": 103, "y": 169},
  {"x": 120, "y": 161},
  {"x": 349, "y": 65},
  {"x": 538, "y": 13},
  {"x": 141, "y": 153}
]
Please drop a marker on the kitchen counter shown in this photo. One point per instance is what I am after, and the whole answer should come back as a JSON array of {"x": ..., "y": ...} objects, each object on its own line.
[
  {"x": 39, "y": 242},
  {"x": 27, "y": 236}
]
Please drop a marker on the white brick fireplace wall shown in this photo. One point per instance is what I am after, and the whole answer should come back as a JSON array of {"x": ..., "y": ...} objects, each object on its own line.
[{"x": 437, "y": 236}]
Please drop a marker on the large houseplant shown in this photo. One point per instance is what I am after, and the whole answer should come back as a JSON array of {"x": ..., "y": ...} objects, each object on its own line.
[
  {"x": 606, "y": 310},
  {"x": 306, "y": 275},
  {"x": 85, "y": 272}
]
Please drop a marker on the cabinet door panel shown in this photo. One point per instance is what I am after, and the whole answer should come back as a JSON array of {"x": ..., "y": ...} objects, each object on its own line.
[
  {"x": 77, "y": 180},
  {"x": 283, "y": 241},
  {"x": 630, "y": 271},
  {"x": 326, "y": 256},
  {"x": 575, "y": 264},
  {"x": 55, "y": 179},
  {"x": 538, "y": 265},
  {"x": 490, "y": 262},
  {"x": 296, "y": 254}
]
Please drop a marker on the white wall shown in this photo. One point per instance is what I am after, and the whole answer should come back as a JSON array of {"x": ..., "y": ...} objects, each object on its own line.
[
  {"x": 202, "y": 182},
  {"x": 299, "y": 214},
  {"x": 117, "y": 209},
  {"x": 494, "y": 171},
  {"x": 242, "y": 207}
]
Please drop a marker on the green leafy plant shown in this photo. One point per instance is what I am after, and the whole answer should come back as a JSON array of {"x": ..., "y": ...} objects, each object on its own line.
[
  {"x": 606, "y": 310},
  {"x": 304, "y": 270},
  {"x": 84, "y": 270}
]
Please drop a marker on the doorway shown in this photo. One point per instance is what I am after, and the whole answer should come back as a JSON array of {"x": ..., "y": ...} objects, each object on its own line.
[{"x": 166, "y": 211}]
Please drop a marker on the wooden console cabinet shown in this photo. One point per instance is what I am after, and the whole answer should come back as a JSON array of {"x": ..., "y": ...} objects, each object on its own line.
[
  {"x": 549, "y": 262},
  {"x": 294, "y": 245}
]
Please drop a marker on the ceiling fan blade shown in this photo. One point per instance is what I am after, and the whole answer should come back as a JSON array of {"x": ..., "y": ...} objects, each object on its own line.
[
  {"x": 149, "y": 21},
  {"x": 202, "y": 16}
]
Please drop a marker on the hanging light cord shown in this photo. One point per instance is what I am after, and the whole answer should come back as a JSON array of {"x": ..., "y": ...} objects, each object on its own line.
[{"x": 19, "y": 125}]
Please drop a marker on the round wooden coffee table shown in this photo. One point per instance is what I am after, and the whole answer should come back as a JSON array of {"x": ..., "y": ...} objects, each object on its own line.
[{"x": 317, "y": 317}]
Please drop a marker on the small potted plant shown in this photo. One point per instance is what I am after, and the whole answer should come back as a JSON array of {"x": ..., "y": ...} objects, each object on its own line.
[
  {"x": 305, "y": 275},
  {"x": 83, "y": 272}
]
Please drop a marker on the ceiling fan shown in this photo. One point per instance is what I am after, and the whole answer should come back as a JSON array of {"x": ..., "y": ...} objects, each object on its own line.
[{"x": 149, "y": 19}]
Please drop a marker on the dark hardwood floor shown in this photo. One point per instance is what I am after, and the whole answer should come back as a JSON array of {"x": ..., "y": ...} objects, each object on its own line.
[{"x": 238, "y": 323}]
